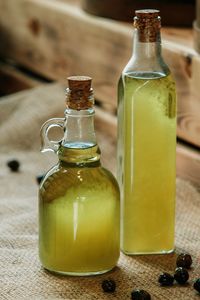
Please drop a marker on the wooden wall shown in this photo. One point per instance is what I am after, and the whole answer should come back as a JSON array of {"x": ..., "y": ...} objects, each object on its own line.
[{"x": 57, "y": 38}]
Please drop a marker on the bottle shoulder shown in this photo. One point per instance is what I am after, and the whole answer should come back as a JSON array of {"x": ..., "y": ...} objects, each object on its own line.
[
  {"x": 110, "y": 176},
  {"x": 62, "y": 172},
  {"x": 146, "y": 65},
  {"x": 61, "y": 179}
]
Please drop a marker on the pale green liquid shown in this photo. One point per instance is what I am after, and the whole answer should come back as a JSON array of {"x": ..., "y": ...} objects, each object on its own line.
[
  {"x": 146, "y": 162},
  {"x": 79, "y": 216}
]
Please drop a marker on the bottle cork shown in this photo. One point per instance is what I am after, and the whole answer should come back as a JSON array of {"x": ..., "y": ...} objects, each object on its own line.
[
  {"x": 148, "y": 23},
  {"x": 79, "y": 93}
]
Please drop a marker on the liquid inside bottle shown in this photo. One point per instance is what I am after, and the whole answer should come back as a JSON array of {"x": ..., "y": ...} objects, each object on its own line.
[
  {"x": 146, "y": 157},
  {"x": 79, "y": 205}
]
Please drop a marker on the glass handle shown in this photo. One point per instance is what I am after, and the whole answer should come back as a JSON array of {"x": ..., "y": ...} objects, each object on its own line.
[{"x": 46, "y": 143}]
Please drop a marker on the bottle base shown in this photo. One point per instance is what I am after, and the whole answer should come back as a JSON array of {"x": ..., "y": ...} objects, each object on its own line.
[
  {"x": 148, "y": 253},
  {"x": 92, "y": 273}
]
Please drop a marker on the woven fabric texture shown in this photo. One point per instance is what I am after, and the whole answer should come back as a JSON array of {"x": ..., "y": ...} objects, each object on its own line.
[{"x": 22, "y": 276}]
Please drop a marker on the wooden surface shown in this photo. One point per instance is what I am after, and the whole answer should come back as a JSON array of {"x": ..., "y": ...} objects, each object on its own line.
[
  {"x": 13, "y": 80},
  {"x": 196, "y": 26},
  {"x": 70, "y": 41},
  {"x": 123, "y": 10},
  {"x": 198, "y": 12}
]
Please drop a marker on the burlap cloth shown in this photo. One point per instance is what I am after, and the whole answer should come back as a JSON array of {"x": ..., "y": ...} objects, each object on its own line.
[{"x": 21, "y": 275}]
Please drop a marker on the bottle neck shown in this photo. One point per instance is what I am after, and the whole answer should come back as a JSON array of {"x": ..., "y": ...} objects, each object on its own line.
[
  {"x": 146, "y": 49},
  {"x": 146, "y": 55},
  {"x": 79, "y": 144},
  {"x": 79, "y": 128}
]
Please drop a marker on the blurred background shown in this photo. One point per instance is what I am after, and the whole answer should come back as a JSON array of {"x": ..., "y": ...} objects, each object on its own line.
[
  {"x": 41, "y": 43},
  {"x": 44, "y": 41}
]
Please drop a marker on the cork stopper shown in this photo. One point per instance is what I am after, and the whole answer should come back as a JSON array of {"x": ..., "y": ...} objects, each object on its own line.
[
  {"x": 148, "y": 23},
  {"x": 79, "y": 92}
]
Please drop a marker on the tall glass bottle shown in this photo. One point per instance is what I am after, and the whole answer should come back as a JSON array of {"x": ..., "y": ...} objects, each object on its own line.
[
  {"x": 147, "y": 143},
  {"x": 78, "y": 198}
]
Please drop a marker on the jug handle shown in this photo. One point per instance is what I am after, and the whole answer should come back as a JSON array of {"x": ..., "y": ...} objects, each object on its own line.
[{"x": 46, "y": 143}]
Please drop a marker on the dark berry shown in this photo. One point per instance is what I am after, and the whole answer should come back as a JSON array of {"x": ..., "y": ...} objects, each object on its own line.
[
  {"x": 196, "y": 285},
  {"x": 140, "y": 295},
  {"x": 39, "y": 178},
  {"x": 184, "y": 260},
  {"x": 165, "y": 279},
  {"x": 13, "y": 165},
  {"x": 108, "y": 286},
  {"x": 181, "y": 275}
]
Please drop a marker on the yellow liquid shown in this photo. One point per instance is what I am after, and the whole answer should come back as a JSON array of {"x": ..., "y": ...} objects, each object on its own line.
[
  {"x": 79, "y": 218},
  {"x": 146, "y": 162}
]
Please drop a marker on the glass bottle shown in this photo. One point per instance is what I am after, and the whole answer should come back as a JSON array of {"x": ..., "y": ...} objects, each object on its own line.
[
  {"x": 147, "y": 143},
  {"x": 78, "y": 198}
]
